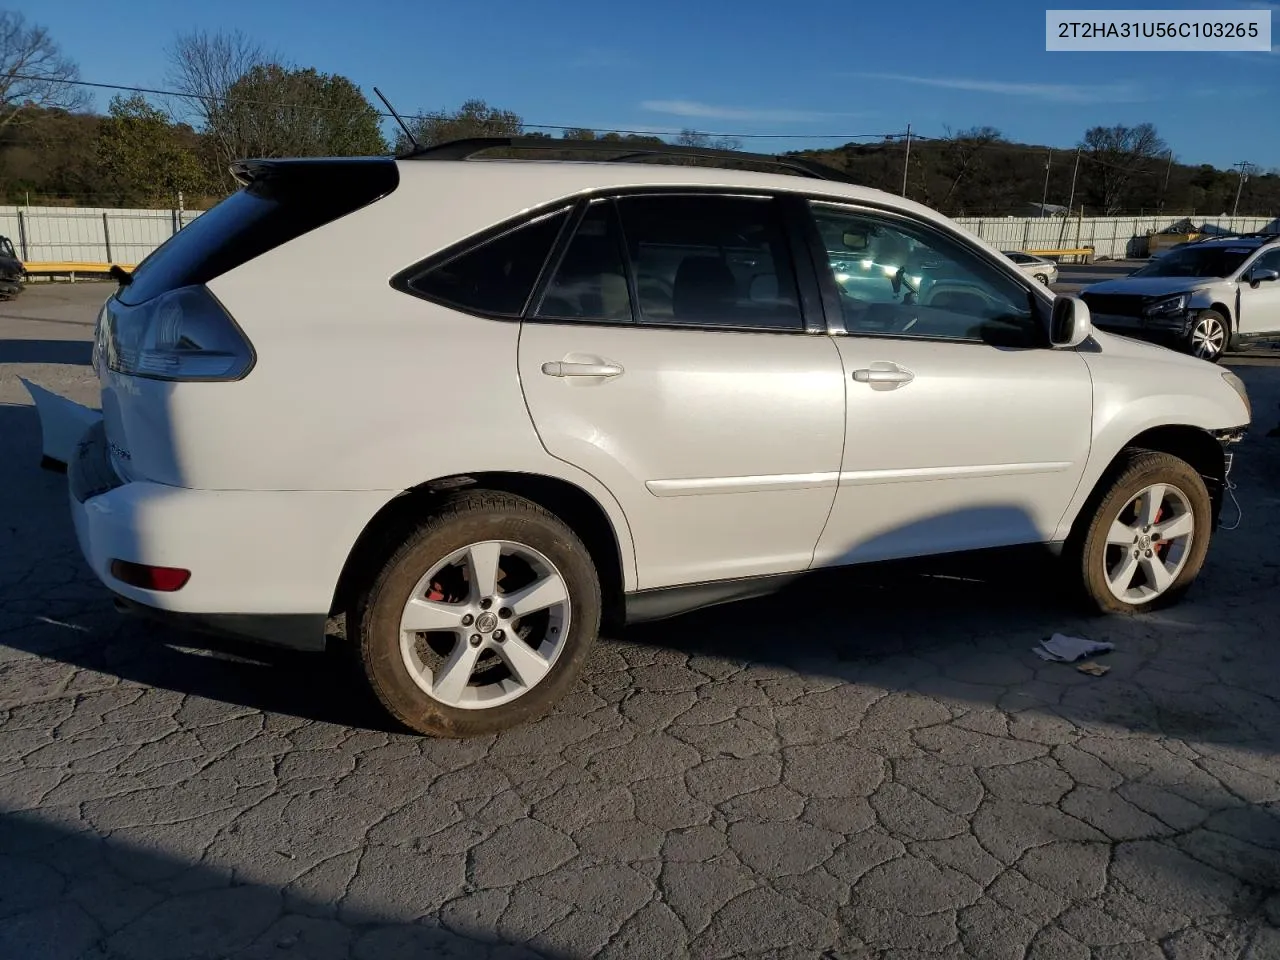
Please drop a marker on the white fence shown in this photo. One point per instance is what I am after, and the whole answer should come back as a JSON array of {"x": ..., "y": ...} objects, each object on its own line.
[
  {"x": 1110, "y": 237},
  {"x": 103, "y": 234},
  {"x": 89, "y": 234}
]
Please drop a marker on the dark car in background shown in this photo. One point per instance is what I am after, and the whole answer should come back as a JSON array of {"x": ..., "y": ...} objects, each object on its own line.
[{"x": 11, "y": 270}]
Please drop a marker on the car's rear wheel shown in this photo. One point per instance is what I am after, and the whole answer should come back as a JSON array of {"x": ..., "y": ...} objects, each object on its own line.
[
  {"x": 482, "y": 620},
  {"x": 1209, "y": 336},
  {"x": 1147, "y": 535}
]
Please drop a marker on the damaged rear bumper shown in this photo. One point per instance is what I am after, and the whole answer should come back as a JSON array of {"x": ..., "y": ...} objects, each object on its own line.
[{"x": 263, "y": 565}]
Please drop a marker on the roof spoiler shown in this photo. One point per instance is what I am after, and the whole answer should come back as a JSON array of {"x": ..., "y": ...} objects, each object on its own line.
[{"x": 259, "y": 169}]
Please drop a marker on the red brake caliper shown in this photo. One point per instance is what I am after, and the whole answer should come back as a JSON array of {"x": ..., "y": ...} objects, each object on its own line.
[{"x": 1160, "y": 545}]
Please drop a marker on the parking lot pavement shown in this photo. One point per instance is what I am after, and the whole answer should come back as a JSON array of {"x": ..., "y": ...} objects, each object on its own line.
[{"x": 873, "y": 766}]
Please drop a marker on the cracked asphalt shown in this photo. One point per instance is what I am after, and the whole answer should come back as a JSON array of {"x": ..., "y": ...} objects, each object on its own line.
[{"x": 874, "y": 765}]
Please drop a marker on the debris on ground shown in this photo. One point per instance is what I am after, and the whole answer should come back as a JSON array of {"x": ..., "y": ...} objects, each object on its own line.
[
  {"x": 1093, "y": 669},
  {"x": 1061, "y": 648}
]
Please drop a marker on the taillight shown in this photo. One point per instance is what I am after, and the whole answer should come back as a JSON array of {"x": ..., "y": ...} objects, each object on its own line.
[{"x": 184, "y": 334}]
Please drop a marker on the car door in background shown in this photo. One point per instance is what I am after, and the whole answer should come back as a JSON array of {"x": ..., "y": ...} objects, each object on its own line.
[{"x": 1259, "y": 311}]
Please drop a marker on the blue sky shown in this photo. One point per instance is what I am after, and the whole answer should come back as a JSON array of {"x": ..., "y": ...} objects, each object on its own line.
[{"x": 744, "y": 67}]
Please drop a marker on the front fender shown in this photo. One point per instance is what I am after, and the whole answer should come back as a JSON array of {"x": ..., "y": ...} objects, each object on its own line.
[
  {"x": 1204, "y": 298},
  {"x": 1117, "y": 422}
]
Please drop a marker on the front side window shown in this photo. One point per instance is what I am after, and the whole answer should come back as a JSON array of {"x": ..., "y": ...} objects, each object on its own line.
[
  {"x": 1268, "y": 261},
  {"x": 710, "y": 261},
  {"x": 496, "y": 276},
  {"x": 900, "y": 278}
]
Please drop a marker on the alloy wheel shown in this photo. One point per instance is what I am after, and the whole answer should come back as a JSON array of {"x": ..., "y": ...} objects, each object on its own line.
[
  {"x": 485, "y": 625},
  {"x": 1148, "y": 543},
  {"x": 1208, "y": 338}
]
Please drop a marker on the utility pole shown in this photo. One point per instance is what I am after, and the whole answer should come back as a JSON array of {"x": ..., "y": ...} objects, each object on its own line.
[
  {"x": 906, "y": 163},
  {"x": 1165, "y": 188},
  {"x": 1071, "y": 200},
  {"x": 1044, "y": 197},
  {"x": 1244, "y": 166}
]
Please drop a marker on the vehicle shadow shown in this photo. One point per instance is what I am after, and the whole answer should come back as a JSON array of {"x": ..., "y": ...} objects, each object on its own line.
[
  {"x": 75, "y": 893},
  {"x": 971, "y": 619},
  {"x": 46, "y": 351}
]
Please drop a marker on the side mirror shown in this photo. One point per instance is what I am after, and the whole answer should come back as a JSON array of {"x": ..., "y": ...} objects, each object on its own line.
[
  {"x": 1262, "y": 275},
  {"x": 1070, "y": 324}
]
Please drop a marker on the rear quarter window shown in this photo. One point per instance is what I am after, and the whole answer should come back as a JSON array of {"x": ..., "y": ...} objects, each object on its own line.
[{"x": 494, "y": 276}]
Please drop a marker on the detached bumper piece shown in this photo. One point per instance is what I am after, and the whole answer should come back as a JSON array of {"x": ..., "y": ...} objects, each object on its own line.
[{"x": 63, "y": 424}]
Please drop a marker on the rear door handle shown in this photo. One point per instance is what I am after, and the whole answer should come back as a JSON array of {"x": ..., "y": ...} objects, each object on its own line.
[
  {"x": 884, "y": 373},
  {"x": 565, "y": 368}
]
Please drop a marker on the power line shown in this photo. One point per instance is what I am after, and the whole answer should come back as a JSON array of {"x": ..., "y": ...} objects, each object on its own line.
[{"x": 208, "y": 98}]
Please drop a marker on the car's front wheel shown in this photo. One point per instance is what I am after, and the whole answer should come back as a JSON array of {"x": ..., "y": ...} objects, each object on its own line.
[
  {"x": 1208, "y": 336},
  {"x": 1043, "y": 278},
  {"x": 1146, "y": 535},
  {"x": 482, "y": 620}
]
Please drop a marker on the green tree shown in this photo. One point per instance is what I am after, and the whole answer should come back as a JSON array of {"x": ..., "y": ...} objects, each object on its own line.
[
  {"x": 475, "y": 118},
  {"x": 275, "y": 111},
  {"x": 145, "y": 159}
]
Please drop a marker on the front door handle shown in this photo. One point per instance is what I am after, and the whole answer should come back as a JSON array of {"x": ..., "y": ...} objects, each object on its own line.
[
  {"x": 883, "y": 373},
  {"x": 565, "y": 368}
]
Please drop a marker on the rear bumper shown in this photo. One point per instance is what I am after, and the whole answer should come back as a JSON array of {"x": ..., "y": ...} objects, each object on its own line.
[
  {"x": 264, "y": 564},
  {"x": 299, "y": 631}
]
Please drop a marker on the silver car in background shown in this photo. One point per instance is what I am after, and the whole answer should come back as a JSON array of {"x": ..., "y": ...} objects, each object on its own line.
[
  {"x": 1038, "y": 268},
  {"x": 1202, "y": 299}
]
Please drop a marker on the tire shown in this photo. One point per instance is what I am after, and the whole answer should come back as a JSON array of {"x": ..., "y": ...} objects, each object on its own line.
[
  {"x": 1209, "y": 337},
  {"x": 1180, "y": 557},
  {"x": 1043, "y": 278},
  {"x": 527, "y": 546}
]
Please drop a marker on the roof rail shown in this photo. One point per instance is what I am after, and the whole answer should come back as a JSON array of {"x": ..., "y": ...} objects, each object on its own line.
[{"x": 470, "y": 146}]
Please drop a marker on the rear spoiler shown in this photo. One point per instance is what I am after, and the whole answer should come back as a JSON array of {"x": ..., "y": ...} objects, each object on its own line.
[{"x": 260, "y": 169}]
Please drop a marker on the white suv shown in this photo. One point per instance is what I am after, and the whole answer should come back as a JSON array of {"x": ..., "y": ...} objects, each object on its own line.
[{"x": 478, "y": 410}]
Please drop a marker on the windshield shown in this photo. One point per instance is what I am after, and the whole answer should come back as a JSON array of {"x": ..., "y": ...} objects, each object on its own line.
[{"x": 1196, "y": 262}]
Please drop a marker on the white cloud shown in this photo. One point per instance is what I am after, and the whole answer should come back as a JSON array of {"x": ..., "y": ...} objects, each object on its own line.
[
  {"x": 706, "y": 111},
  {"x": 1053, "y": 92}
]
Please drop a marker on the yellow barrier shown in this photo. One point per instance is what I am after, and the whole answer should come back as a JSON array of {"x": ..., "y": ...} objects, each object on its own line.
[
  {"x": 1085, "y": 253},
  {"x": 57, "y": 268}
]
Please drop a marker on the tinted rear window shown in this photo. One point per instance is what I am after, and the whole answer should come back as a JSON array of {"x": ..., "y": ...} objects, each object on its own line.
[
  {"x": 496, "y": 277},
  {"x": 288, "y": 199}
]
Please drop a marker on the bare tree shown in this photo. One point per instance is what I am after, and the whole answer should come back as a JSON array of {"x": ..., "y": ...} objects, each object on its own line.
[
  {"x": 1119, "y": 154},
  {"x": 695, "y": 138},
  {"x": 33, "y": 72},
  {"x": 203, "y": 68},
  {"x": 962, "y": 156}
]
